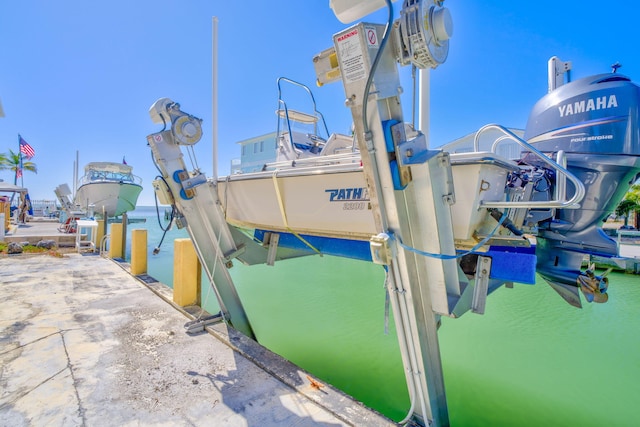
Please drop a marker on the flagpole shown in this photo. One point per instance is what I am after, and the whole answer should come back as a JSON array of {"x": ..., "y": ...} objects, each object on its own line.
[
  {"x": 29, "y": 152},
  {"x": 20, "y": 154},
  {"x": 15, "y": 176},
  {"x": 21, "y": 201},
  {"x": 19, "y": 161},
  {"x": 21, "y": 170}
]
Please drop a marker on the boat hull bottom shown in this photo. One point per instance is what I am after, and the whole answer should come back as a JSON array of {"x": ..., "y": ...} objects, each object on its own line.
[{"x": 108, "y": 198}]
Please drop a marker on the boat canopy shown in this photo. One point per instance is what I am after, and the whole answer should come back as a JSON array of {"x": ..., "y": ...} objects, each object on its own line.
[
  {"x": 111, "y": 167},
  {"x": 5, "y": 187},
  {"x": 108, "y": 172}
]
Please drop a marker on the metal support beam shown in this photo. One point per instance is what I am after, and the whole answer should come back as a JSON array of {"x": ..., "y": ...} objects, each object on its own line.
[
  {"x": 274, "y": 238},
  {"x": 481, "y": 286},
  {"x": 410, "y": 192},
  {"x": 197, "y": 199}
]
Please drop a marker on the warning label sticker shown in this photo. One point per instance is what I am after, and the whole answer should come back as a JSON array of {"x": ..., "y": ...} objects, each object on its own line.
[
  {"x": 372, "y": 36},
  {"x": 351, "y": 56}
]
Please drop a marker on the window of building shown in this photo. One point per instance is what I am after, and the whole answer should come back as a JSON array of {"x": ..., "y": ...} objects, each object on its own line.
[{"x": 261, "y": 146}]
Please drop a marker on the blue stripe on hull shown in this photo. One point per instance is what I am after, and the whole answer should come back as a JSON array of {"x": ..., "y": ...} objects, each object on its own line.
[
  {"x": 509, "y": 264},
  {"x": 354, "y": 249}
]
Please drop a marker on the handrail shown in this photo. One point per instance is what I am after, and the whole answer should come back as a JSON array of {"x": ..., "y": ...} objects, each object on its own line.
[
  {"x": 318, "y": 160},
  {"x": 313, "y": 101},
  {"x": 561, "y": 172},
  {"x": 286, "y": 113},
  {"x": 561, "y": 180},
  {"x": 103, "y": 244}
]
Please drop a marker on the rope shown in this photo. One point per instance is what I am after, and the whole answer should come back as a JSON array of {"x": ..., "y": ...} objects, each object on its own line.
[
  {"x": 211, "y": 284},
  {"x": 442, "y": 256},
  {"x": 284, "y": 214}
]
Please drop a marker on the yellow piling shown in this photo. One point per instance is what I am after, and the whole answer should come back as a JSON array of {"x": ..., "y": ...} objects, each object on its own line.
[
  {"x": 138, "y": 251},
  {"x": 4, "y": 207},
  {"x": 187, "y": 273},
  {"x": 100, "y": 233},
  {"x": 116, "y": 250}
]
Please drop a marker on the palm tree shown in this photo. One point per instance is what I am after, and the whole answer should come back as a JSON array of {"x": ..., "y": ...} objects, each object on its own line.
[
  {"x": 630, "y": 203},
  {"x": 624, "y": 208},
  {"x": 13, "y": 162},
  {"x": 4, "y": 162}
]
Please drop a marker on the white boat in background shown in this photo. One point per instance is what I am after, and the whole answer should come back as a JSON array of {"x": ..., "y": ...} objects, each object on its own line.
[{"x": 108, "y": 188}]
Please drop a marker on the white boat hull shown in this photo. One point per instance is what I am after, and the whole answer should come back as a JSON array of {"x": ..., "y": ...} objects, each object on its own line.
[
  {"x": 112, "y": 198},
  {"x": 319, "y": 201},
  {"x": 334, "y": 204}
]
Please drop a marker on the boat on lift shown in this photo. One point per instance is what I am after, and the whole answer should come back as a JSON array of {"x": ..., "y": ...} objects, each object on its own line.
[
  {"x": 319, "y": 203},
  {"x": 108, "y": 188},
  {"x": 581, "y": 139}
]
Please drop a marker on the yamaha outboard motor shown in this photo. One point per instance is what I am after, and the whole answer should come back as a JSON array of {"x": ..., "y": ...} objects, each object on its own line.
[{"x": 594, "y": 121}]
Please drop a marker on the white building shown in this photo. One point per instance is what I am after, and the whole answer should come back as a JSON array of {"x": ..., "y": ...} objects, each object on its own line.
[{"x": 255, "y": 152}]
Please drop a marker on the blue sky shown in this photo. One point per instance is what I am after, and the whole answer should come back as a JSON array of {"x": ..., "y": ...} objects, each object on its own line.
[{"x": 79, "y": 75}]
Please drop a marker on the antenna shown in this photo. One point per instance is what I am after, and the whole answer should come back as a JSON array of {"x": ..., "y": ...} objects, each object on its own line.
[{"x": 214, "y": 98}]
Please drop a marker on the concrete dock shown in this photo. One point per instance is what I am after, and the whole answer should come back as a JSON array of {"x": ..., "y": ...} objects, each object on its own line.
[
  {"x": 38, "y": 229},
  {"x": 84, "y": 343}
]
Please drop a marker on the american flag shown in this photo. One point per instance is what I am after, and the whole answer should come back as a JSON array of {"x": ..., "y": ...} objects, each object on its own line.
[
  {"x": 18, "y": 173},
  {"x": 26, "y": 149}
]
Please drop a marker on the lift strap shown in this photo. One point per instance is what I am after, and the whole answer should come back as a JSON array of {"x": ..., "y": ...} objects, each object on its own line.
[{"x": 284, "y": 214}]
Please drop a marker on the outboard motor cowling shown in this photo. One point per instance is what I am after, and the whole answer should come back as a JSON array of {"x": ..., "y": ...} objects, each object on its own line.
[{"x": 594, "y": 121}]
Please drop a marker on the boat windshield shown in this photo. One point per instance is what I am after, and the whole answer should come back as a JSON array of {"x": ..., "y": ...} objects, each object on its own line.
[
  {"x": 96, "y": 175},
  {"x": 108, "y": 172}
]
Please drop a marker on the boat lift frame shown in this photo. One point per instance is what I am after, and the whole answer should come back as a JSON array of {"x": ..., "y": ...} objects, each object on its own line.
[
  {"x": 411, "y": 190},
  {"x": 199, "y": 206}
]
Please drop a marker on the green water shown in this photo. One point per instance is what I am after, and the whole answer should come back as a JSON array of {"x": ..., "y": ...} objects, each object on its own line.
[
  {"x": 326, "y": 315},
  {"x": 530, "y": 359}
]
